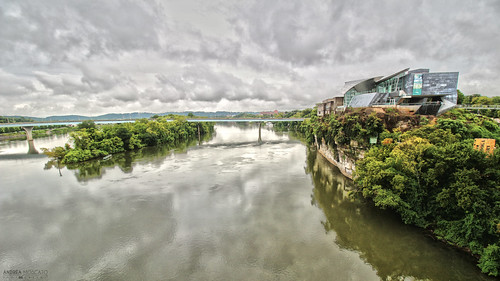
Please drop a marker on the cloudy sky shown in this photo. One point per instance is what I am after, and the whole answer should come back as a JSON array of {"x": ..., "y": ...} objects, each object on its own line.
[{"x": 95, "y": 57}]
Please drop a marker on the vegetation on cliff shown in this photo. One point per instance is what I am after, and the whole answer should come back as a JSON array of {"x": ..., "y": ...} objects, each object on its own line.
[
  {"x": 427, "y": 171},
  {"x": 91, "y": 141}
]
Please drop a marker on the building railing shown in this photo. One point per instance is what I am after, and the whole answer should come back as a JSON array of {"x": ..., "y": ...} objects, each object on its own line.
[{"x": 402, "y": 104}]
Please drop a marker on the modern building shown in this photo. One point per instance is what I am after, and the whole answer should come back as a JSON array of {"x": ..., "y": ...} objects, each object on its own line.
[
  {"x": 329, "y": 105},
  {"x": 418, "y": 91}
]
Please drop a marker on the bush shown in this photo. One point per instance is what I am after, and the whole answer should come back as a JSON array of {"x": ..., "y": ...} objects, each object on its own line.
[{"x": 490, "y": 260}]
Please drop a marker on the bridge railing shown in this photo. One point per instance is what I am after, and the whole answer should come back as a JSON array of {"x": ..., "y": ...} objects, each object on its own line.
[
  {"x": 99, "y": 122},
  {"x": 479, "y": 106}
]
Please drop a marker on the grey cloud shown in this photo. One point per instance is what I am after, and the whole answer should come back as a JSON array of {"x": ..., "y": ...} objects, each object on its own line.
[
  {"x": 284, "y": 29},
  {"x": 100, "y": 79},
  {"x": 62, "y": 31},
  {"x": 15, "y": 86},
  {"x": 220, "y": 50},
  {"x": 61, "y": 84},
  {"x": 150, "y": 55},
  {"x": 204, "y": 84},
  {"x": 356, "y": 31}
]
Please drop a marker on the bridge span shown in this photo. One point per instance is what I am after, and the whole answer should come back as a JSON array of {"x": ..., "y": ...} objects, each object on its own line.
[
  {"x": 28, "y": 126},
  {"x": 479, "y": 106},
  {"x": 103, "y": 122}
]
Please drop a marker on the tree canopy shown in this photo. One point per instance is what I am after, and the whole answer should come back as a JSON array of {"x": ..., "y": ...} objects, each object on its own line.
[
  {"x": 429, "y": 173},
  {"x": 92, "y": 141}
]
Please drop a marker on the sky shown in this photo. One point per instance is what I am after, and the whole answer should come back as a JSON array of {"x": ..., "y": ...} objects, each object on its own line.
[{"x": 60, "y": 57}]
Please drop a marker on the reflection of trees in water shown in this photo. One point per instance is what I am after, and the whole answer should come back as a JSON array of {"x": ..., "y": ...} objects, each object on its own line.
[
  {"x": 95, "y": 169},
  {"x": 395, "y": 250}
]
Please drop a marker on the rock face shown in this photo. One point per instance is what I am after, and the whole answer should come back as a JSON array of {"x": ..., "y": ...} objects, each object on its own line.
[
  {"x": 340, "y": 157},
  {"x": 344, "y": 155}
]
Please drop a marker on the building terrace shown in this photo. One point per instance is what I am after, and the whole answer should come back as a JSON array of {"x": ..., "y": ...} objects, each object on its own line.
[{"x": 418, "y": 91}]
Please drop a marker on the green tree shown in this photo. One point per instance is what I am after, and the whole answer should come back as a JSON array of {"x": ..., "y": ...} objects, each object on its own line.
[
  {"x": 87, "y": 124},
  {"x": 434, "y": 178},
  {"x": 460, "y": 97},
  {"x": 92, "y": 142},
  {"x": 482, "y": 100}
]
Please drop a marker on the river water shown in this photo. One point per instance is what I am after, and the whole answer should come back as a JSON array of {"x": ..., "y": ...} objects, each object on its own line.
[{"x": 229, "y": 208}]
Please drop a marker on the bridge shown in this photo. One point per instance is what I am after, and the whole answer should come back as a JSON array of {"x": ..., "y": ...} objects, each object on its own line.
[
  {"x": 479, "y": 106},
  {"x": 104, "y": 122},
  {"x": 28, "y": 126}
]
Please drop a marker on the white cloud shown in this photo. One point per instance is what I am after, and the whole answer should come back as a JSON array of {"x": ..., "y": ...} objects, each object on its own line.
[{"x": 84, "y": 57}]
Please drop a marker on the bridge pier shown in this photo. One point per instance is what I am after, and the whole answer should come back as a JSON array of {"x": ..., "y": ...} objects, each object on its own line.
[
  {"x": 260, "y": 135},
  {"x": 29, "y": 138},
  {"x": 29, "y": 134}
]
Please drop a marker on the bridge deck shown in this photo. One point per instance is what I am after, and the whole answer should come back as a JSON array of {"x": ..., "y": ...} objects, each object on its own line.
[
  {"x": 468, "y": 106},
  {"x": 36, "y": 124}
]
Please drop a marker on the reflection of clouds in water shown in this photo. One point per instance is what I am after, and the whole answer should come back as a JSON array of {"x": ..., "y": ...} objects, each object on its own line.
[
  {"x": 77, "y": 232},
  {"x": 226, "y": 134},
  {"x": 256, "y": 225},
  {"x": 239, "y": 212},
  {"x": 21, "y": 146}
]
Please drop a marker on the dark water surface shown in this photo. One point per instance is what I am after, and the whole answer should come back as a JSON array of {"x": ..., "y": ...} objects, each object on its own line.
[{"x": 228, "y": 209}]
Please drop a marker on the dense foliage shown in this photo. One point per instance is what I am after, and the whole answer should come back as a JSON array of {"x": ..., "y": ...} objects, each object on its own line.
[
  {"x": 91, "y": 141},
  {"x": 477, "y": 100},
  {"x": 357, "y": 126},
  {"x": 294, "y": 125},
  {"x": 430, "y": 174},
  {"x": 434, "y": 178}
]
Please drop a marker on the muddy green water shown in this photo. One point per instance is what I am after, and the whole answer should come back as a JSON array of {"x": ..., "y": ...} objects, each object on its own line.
[{"x": 226, "y": 209}]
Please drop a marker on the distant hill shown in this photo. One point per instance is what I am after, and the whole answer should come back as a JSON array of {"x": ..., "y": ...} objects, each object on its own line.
[{"x": 133, "y": 115}]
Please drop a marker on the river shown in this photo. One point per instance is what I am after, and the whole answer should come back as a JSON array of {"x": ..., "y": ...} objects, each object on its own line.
[{"x": 229, "y": 208}]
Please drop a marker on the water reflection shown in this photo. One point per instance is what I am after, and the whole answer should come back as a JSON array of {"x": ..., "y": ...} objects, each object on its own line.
[
  {"x": 32, "y": 148},
  {"x": 95, "y": 169},
  {"x": 395, "y": 250},
  {"x": 228, "y": 209},
  {"x": 225, "y": 135},
  {"x": 24, "y": 147},
  {"x": 220, "y": 211}
]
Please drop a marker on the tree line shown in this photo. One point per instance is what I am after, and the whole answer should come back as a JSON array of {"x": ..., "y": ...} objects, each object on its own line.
[
  {"x": 91, "y": 141},
  {"x": 477, "y": 99},
  {"x": 5, "y": 119}
]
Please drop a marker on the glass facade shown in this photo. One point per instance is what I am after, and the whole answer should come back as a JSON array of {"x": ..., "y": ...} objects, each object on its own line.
[
  {"x": 352, "y": 92},
  {"x": 391, "y": 85},
  {"x": 417, "y": 87}
]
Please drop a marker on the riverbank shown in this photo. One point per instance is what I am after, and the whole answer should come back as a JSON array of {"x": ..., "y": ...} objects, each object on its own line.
[{"x": 423, "y": 168}]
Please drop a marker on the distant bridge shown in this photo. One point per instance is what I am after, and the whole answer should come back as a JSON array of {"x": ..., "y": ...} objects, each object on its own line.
[
  {"x": 103, "y": 122},
  {"x": 479, "y": 106},
  {"x": 28, "y": 126}
]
